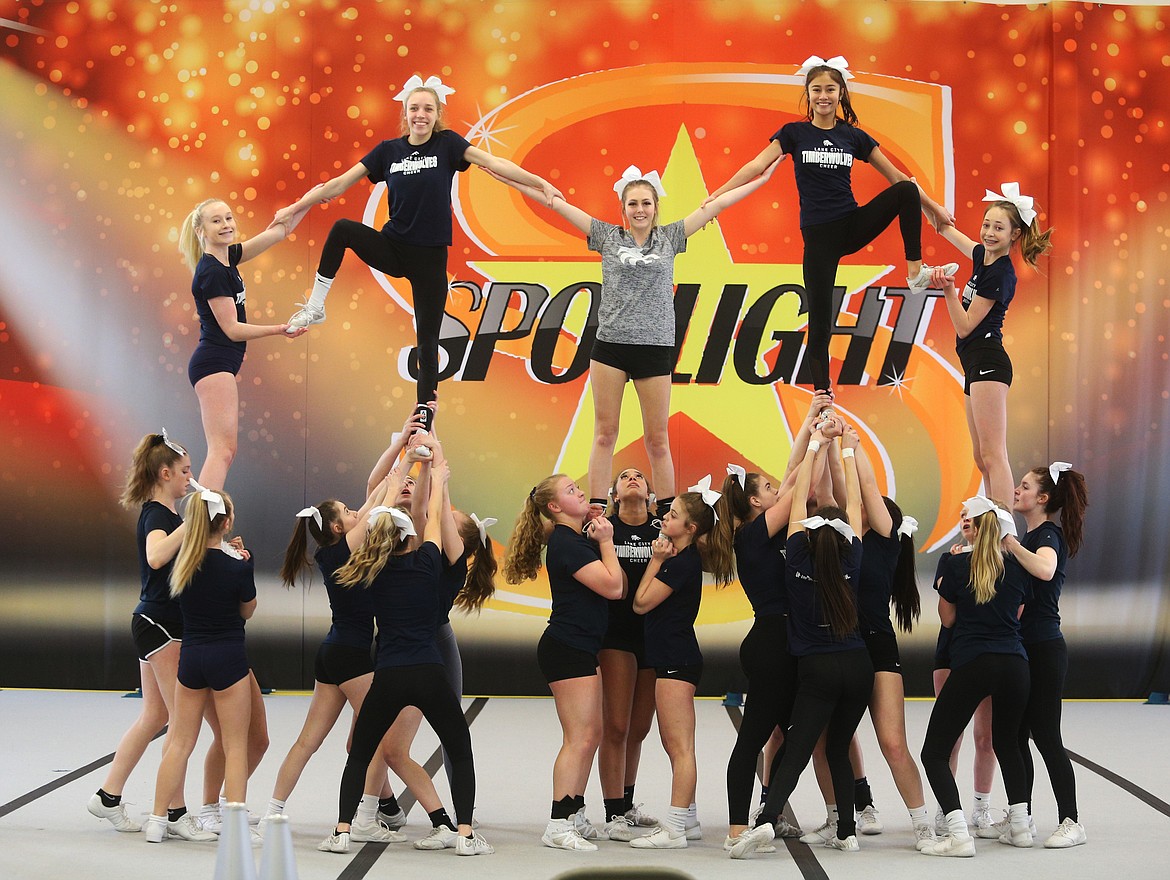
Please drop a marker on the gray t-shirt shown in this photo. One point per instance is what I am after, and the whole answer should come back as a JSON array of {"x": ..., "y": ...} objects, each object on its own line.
[{"x": 637, "y": 283}]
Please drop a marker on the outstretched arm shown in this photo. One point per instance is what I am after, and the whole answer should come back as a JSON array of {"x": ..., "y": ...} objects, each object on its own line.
[
  {"x": 852, "y": 488},
  {"x": 814, "y": 454},
  {"x": 573, "y": 214},
  {"x": 711, "y": 208},
  {"x": 871, "y": 497},
  {"x": 331, "y": 189},
  {"x": 757, "y": 166},
  {"x": 512, "y": 171},
  {"x": 962, "y": 244}
]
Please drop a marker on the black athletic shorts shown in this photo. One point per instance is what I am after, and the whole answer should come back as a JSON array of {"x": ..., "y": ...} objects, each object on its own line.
[
  {"x": 208, "y": 359},
  {"x": 218, "y": 665},
  {"x": 636, "y": 361},
  {"x": 558, "y": 661},
  {"x": 337, "y": 664},
  {"x": 985, "y": 361},
  {"x": 690, "y": 674},
  {"x": 883, "y": 651},
  {"x": 151, "y": 636}
]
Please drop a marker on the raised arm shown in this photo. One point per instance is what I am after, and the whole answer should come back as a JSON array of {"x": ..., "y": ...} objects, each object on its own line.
[
  {"x": 510, "y": 170},
  {"x": 871, "y": 497},
  {"x": 438, "y": 497},
  {"x": 962, "y": 243},
  {"x": 582, "y": 221},
  {"x": 849, "y": 442},
  {"x": 277, "y": 231},
  {"x": 712, "y": 207},
  {"x": 751, "y": 170},
  {"x": 390, "y": 455},
  {"x": 814, "y": 454}
]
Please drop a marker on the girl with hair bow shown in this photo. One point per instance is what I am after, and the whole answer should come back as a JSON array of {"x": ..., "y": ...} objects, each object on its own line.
[
  {"x": 418, "y": 169},
  {"x": 823, "y": 149},
  {"x": 1052, "y": 501},
  {"x": 344, "y": 670},
  {"x": 978, "y": 314},
  {"x": 979, "y": 596},
  {"x": 669, "y": 594},
  {"x": 834, "y": 672},
  {"x": 635, "y": 323}
]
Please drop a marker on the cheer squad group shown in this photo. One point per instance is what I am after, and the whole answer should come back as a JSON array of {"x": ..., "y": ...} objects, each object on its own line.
[{"x": 827, "y": 562}]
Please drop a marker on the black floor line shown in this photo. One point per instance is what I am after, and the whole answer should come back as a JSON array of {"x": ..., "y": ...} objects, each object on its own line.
[
  {"x": 802, "y": 854},
  {"x": 26, "y": 799},
  {"x": 1121, "y": 782},
  {"x": 361, "y": 864}
]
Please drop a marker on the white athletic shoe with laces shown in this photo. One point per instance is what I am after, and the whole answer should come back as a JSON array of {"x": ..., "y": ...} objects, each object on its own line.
[
  {"x": 639, "y": 818},
  {"x": 923, "y": 836},
  {"x": 868, "y": 821},
  {"x": 621, "y": 829},
  {"x": 819, "y": 835},
  {"x": 751, "y": 840},
  {"x": 784, "y": 829},
  {"x": 308, "y": 315},
  {"x": 922, "y": 280},
  {"x": 563, "y": 834},
  {"x": 584, "y": 827},
  {"x": 949, "y": 845},
  {"x": 473, "y": 846},
  {"x": 116, "y": 816},
  {"x": 849, "y": 844},
  {"x": 209, "y": 818},
  {"x": 1068, "y": 833},
  {"x": 338, "y": 842},
  {"x": 439, "y": 838},
  {"x": 375, "y": 832},
  {"x": 982, "y": 824},
  {"x": 187, "y": 827},
  {"x": 729, "y": 842},
  {"x": 662, "y": 838},
  {"x": 393, "y": 821},
  {"x": 155, "y": 828}
]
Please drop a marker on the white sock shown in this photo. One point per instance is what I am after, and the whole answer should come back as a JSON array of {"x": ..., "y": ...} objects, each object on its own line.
[
  {"x": 982, "y": 799},
  {"x": 367, "y": 810},
  {"x": 957, "y": 825},
  {"x": 692, "y": 815},
  {"x": 676, "y": 820},
  {"x": 1018, "y": 815},
  {"x": 919, "y": 816},
  {"x": 209, "y": 809},
  {"x": 320, "y": 290},
  {"x": 275, "y": 807},
  {"x": 831, "y": 814}
]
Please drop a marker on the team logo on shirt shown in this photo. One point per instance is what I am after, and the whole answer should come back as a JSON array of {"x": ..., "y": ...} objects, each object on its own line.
[
  {"x": 414, "y": 163},
  {"x": 833, "y": 157},
  {"x": 632, "y": 256},
  {"x": 242, "y": 296}
]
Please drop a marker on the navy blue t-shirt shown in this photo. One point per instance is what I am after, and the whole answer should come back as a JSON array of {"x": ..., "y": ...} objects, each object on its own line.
[
  {"x": 822, "y": 164},
  {"x": 211, "y": 602},
  {"x": 1041, "y": 619},
  {"x": 879, "y": 561},
  {"x": 670, "y": 627},
  {"x": 155, "y": 599},
  {"x": 942, "y": 648},
  {"x": 808, "y": 630},
  {"x": 579, "y": 616},
  {"x": 759, "y": 562},
  {"x": 406, "y": 605},
  {"x": 996, "y": 282},
  {"x": 352, "y": 607},
  {"x": 418, "y": 185},
  {"x": 212, "y": 278},
  {"x": 991, "y": 628},
  {"x": 632, "y": 545},
  {"x": 451, "y": 581}
]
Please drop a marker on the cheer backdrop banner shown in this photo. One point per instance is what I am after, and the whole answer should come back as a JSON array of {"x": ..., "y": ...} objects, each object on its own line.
[{"x": 120, "y": 116}]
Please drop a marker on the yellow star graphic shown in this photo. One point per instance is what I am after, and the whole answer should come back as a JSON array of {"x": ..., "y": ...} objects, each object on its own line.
[{"x": 748, "y": 418}]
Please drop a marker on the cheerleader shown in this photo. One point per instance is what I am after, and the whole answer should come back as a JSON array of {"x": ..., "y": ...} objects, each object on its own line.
[
  {"x": 583, "y": 572},
  {"x": 217, "y": 593},
  {"x": 669, "y": 595},
  {"x": 979, "y": 594},
  {"x": 1052, "y": 501}
]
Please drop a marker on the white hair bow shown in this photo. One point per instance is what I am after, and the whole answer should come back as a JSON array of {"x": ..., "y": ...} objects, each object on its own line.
[
  {"x": 172, "y": 445},
  {"x": 214, "y": 500},
  {"x": 1011, "y": 193},
  {"x": 837, "y": 62},
  {"x": 314, "y": 513},
  {"x": 710, "y": 496},
  {"x": 634, "y": 173},
  {"x": 837, "y": 525},
  {"x": 405, "y": 523},
  {"x": 483, "y": 525},
  {"x": 1057, "y": 468},
  {"x": 740, "y": 474},
  {"x": 416, "y": 82},
  {"x": 981, "y": 504},
  {"x": 908, "y": 527}
]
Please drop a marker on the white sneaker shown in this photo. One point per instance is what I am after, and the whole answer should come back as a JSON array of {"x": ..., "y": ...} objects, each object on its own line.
[
  {"x": 729, "y": 842},
  {"x": 155, "y": 828},
  {"x": 940, "y": 823},
  {"x": 849, "y": 844},
  {"x": 751, "y": 840},
  {"x": 694, "y": 832},
  {"x": 116, "y": 816},
  {"x": 307, "y": 316},
  {"x": 784, "y": 829},
  {"x": 1068, "y": 833},
  {"x": 584, "y": 827},
  {"x": 393, "y": 821},
  {"x": 868, "y": 821},
  {"x": 923, "y": 836},
  {"x": 473, "y": 846},
  {"x": 663, "y": 838},
  {"x": 621, "y": 829},
  {"x": 210, "y": 818},
  {"x": 255, "y": 837},
  {"x": 375, "y": 832},
  {"x": 982, "y": 824},
  {"x": 187, "y": 827},
  {"x": 439, "y": 838},
  {"x": 337, "y": 842},
  {"x": 821, "y": 834},
  {"x": 563, "y": 834},
  {"x": 949, "y": 845},
  {"x": 637, "y": 817},
  {"x": 1016, "y": 836},
  {"x": 1005, "y": 824},
  {"x": 922, "y": 280}
]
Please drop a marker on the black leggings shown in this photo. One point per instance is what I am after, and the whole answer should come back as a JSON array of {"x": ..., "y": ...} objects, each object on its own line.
[
  {"x": 771, "y": 675},
  {"x": 826, "y": 243},
  {"x": 393, "y": 689},
  {"x": 424, "y": 267},
  {"x": 1048, "y": 663},
  {"x": 1004, "y": 678},
  {"x": 832, "y": 691}
]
